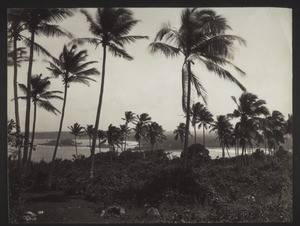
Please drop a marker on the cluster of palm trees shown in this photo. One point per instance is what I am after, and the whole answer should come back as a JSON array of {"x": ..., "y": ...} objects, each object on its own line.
[
  {"x": 255, "y": 125},
  {"x": 116, "y": 137},
  {"x": 201, "y": 37}
]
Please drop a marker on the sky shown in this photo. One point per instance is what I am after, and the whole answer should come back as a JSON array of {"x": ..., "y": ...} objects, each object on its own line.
[{"x": 151, "y": 83}]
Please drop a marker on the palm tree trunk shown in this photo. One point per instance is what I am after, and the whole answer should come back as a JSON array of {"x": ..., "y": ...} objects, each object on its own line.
[
  {"x": 76, "y": 146},
  {"x": 98, "y": 113},
  {"x": 58, "y": 136},
  {"x": 32, "y": 136},
  {"x": 187, "y": 122},
  {"x": 223, "y": 152},
  {"x": 16, "y": 102},
  {"x": 28, "y": 105}
]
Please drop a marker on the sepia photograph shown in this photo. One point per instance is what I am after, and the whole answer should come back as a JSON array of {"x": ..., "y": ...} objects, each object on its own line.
[{"x": 150, "y": 115}]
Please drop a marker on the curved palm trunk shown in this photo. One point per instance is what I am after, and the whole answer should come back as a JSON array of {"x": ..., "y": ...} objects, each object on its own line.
[
  {"x": 58, "y": 136},
  {"x": 27, "y": 117},
  {"x": 98, "y": 113},
  {"x": 76, "y": 146},
  {"x": 32, "y": 136},
  {"x": 16, "y": 102},
  {"x": 187, "y": 122}
]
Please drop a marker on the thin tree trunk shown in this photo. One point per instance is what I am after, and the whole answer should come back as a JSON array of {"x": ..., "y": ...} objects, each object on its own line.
[
  {"x": 32, "y": 136},
  {"x": 223, "y": 152},
  {"x": 16, "y": 102},
  {"x": 28, "y": 105},
  {"x": 76, "y": 146},
  {"x": 58, "y": 137},
  {"x": 187, "y": 122},
  {"x": 98, "y": 113},
  {"x": 195, "y": 134},
  {"x": 228, "y": 152}
]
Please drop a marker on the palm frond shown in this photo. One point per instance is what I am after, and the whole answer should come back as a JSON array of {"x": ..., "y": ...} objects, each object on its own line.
[
  {"x": 211, "y": 66},
  {"x": 51, "y": 30},
  {"x": 119, "y": 52},
  {"x": 23, "y": 88},
  {"x": 94, "y": 27},
  {"x": 47, "y": 106},
  {"x": 167, "y": 50},
  {"x": 92, "y": 41},
  {"x": 37, "y": 48},
  {"x": 130, "y": 38}
]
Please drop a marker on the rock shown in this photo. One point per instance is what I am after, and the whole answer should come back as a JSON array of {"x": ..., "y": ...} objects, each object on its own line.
[
  {"x": 153, "y": 212},
  {"x": 115, "y": 210},
  {"x": 29, "y": 216}
]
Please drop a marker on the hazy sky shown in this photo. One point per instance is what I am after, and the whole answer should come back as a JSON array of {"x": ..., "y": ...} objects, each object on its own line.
[{"x": 152, "y": 83}]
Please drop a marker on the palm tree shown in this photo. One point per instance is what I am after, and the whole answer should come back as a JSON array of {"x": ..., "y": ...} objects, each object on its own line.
[
  {"x": 206, "y": 118},
  {"x": 289, "y": 125},
  {"x": 89, "y": 131},
  {"x": 195, "y": 116},
  {"x": 180, "y": 132},
  {"x": 201, "y": 36},
  {"x": 223, "y": 129},
  {"x": 14, "y": 57},
  {"x": 40, "y": 96},
  {"x": 130, "y": 117},
  {"x": 76, "y": 130},
  {"x": 72, "y": 67},
  {"x": 102, "y": 138},
  {"x": 249, "y": 109},
  {"x": 37, "y": 21},
  {"x": 110, "y": 29},
  {"x": 155, "y": 134},
  {"x": 276, "y": 126},
  {"x": 141, "y": 127},
  {"x": 114, "y": 137}
]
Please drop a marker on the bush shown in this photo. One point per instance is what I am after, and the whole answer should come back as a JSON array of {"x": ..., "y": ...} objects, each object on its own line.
[
  {"x": 258, "y": 154},
  {"x": 198, "y": 152},
  {"x": 129, "y": 156}
]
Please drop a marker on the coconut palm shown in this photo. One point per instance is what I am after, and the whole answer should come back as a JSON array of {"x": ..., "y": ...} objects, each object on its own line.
[
  {"x": 141, "y": 127},
  {"x": 36, "y": 22},
  {"x": 110, "y": 28},
  {"x": 276, "y": 126},
  {"x": 223, "y": 128},
  {"x": 180, "y": 132},
  {"x": 40, "y": 96},
  {"x": 195, "y": 115},
  {"x": 89, "y": 131},
  {"x": 114, "y": 137},
  {"x": 130, "y": 117},
  {"x": 206, "y": 118},
  {"x": 76, "y": 130},
  {"x": 201, "y": 36},
  {"x": 289, "y": 125},
  {"x": 249, "y": 109},
  {"x": 101, "y": 137},
  {"x": 72, "y": 67},
  {"x": 155, "y": 134}
]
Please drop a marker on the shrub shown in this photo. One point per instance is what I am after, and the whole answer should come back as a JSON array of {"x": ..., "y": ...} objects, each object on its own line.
[{"x": 197, "y": 152}]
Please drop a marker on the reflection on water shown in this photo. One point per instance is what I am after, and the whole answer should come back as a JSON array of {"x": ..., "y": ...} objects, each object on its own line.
[{"x": 44, "y": 152}]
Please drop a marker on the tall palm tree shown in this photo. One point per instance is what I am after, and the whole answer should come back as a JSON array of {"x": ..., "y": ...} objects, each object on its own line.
[
  {"x": 201, "y": 36},
  {"x": 130, "y": 117},
  {"x": 155, "y": 134},
  {"x": 37, "y": 21},
  {"x": 125, "y": 131},
  {"x": 289, "y": 125},
  {"x": 72, "y": 67},
  {"x": 180, "y": 132},
  {"x": 249, "y": 111},
  {"x": 40, "y": 96},
  {"x": 223, "y": 129},
  {"x": 110, "y": 28},
  {"x": 76, "y": 130}
]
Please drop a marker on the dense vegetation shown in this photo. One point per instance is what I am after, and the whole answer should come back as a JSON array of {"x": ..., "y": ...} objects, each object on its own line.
[{"x": 210, "y": 191}]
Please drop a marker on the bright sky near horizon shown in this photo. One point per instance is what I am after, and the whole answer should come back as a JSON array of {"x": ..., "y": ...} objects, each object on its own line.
[{"x": 152, "y": 83}]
